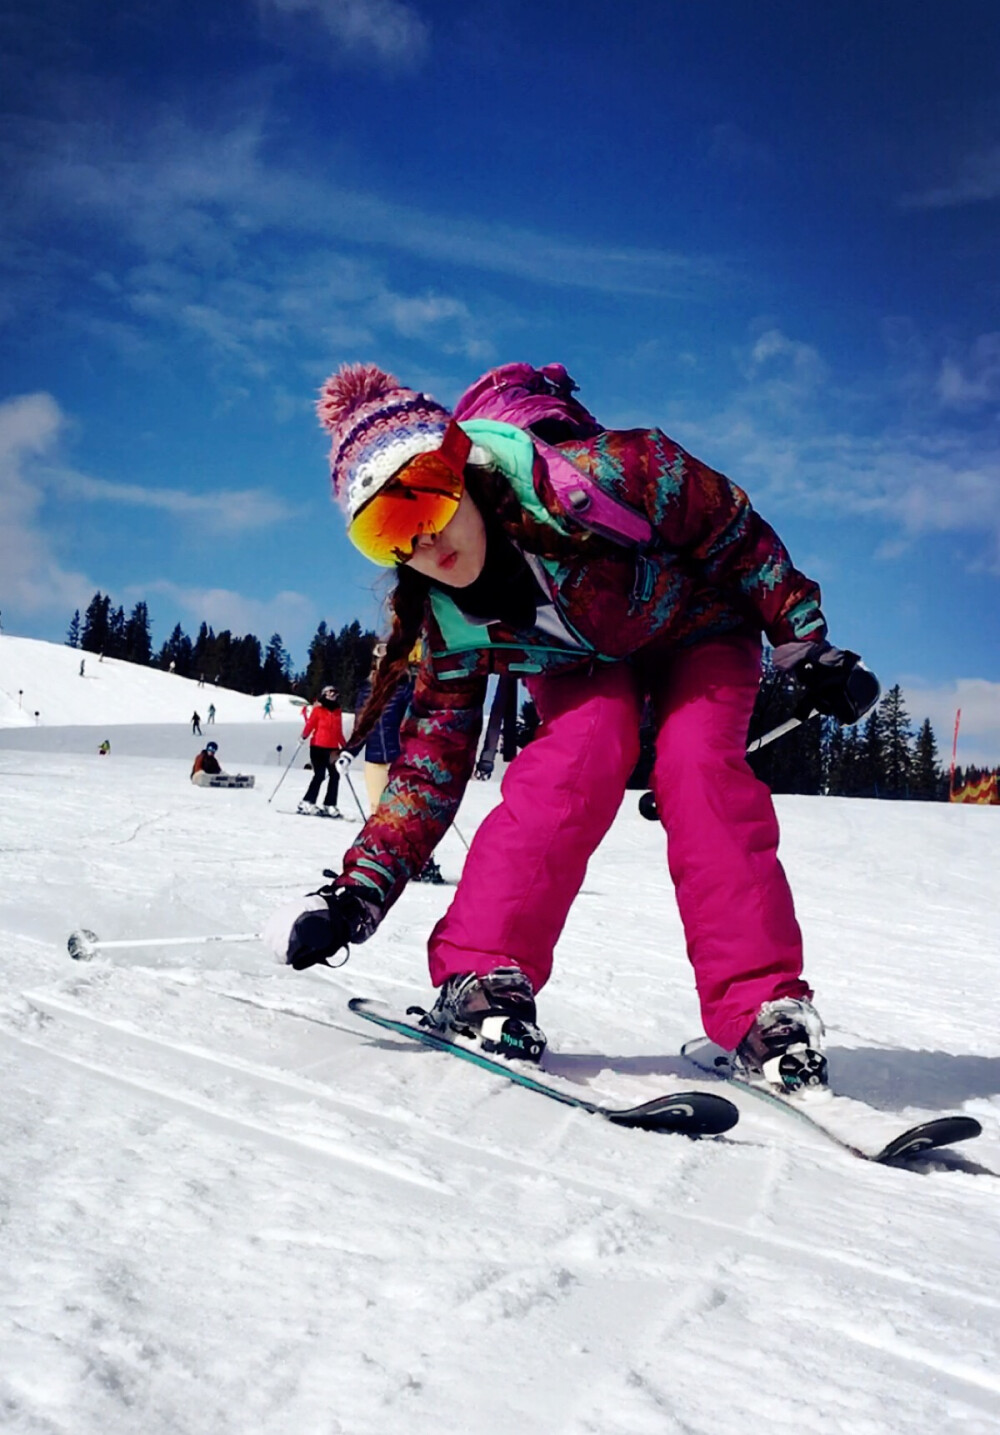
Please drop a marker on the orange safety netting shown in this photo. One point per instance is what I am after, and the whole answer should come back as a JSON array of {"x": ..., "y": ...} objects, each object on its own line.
[{"x": 983, "y": 790}]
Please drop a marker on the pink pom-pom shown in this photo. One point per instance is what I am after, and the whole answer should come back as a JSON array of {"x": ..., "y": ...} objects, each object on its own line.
[{"x": 350, "y": 387}]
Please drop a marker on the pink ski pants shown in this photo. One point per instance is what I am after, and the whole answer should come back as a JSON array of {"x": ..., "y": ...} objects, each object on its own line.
[{"x": 528, "y": 859}]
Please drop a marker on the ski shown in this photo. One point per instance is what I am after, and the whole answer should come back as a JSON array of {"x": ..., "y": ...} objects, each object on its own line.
[
  {"x": 842, "y": 1119},
  {"x": 326, "y": 816},
  {"x": 687, "y": 1113}
]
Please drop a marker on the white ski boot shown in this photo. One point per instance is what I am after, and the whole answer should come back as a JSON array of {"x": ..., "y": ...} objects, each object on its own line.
[
  {"x": 784, "y": 1047},
  {"x": 496, "y": 1011}
]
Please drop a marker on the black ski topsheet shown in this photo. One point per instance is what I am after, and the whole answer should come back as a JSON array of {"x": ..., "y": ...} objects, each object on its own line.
[
  {"x": 688, "y": 1113},
  {"x": 911, "y": 1143}
]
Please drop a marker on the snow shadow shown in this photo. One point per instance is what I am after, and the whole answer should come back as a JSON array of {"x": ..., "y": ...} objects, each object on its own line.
[
  {"x": 888, "y": 1078},
  {"x": 885, "y": 1078}
]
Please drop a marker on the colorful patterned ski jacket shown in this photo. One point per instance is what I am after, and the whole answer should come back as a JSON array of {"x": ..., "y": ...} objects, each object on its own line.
[{"x": 714, "y": 567}]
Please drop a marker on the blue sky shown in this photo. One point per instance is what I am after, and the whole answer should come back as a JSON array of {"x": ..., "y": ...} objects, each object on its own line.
[{"x": 770, "y": 229}]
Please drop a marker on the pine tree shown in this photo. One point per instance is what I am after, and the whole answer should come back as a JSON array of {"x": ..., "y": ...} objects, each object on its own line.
[
  {"x": 176, "y": 650},
  {"x": 247, "y": 665},
  {"x": 871, "y": 756},
  {"x": 928, "y": 782},
  {"x": 354, "y": 651},
  {"x": 73, "y": 632},
  {"x": 898, "y": 758},
  {"x": 845, "y": 762},
  {"x": 116, "y": 633},
  {"x": 219, "y": 659},
  {"x": 94, "y": 637},
  {"x": 138, "y": 640},
  {"x": 316, "y": 665},
  {"x": 199, "y": 654},
  {"x": 275, "y": 677}
]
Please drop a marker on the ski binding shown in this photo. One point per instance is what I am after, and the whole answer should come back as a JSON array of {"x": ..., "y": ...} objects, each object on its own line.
[{"x": 835, "y": 1115}]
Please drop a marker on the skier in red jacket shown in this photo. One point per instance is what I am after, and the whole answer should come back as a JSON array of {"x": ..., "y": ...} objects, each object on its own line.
[{"x": 325, "y": 729}]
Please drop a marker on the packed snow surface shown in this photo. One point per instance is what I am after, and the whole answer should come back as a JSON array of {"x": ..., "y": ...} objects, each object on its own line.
[
  {"x": 220, "y": 1218},
  {"x": 41, "y": 685}
]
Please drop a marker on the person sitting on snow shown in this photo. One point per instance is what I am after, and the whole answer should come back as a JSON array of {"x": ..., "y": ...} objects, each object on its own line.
[{"x": 206, "y": 765}]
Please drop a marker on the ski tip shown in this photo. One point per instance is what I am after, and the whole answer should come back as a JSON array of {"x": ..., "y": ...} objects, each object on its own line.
[
  {"x": 928, "y": 1136},
  {"x": 82, "y": 945},
  {"x": 690, "y": 1113}
]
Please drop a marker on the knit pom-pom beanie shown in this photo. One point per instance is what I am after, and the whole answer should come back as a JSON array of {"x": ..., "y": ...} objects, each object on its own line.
[{"x": 376, "y": 426}]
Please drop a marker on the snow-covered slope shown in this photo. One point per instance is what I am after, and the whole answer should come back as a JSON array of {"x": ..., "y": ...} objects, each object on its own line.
[
  {"x": 219, "y": 1218},
  {"x": 44, "y": 679}
]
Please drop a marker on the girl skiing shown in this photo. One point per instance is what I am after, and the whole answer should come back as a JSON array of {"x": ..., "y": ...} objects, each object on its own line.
[
  {"x": 502, "y": 564},
  {"x": 325, "y": 728}
]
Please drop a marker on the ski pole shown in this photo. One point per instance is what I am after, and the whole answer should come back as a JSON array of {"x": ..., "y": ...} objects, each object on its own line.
[
  {"x": 347, "y": 778},
  {"x": 83, "y": 946},
  {"x": 780, "y": 731},
  {"x": 288, "y": 768}
]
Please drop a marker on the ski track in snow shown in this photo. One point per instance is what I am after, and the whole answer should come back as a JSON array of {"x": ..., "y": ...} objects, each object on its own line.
[{"x": 217, "y": 1217}]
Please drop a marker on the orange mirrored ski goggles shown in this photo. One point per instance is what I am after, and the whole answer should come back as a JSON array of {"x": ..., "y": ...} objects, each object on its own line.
[{"x": 420, "y": 499}]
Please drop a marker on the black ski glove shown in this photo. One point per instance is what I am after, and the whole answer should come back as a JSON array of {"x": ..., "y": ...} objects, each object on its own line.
[
  {"x": 309, "y": 931},
  {"x": 835, "y": 682}
]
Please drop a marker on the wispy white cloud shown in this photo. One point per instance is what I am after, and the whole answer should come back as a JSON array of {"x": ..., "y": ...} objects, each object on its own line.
[
  {"x": 219, "y": 511},
  {"x": 263, "y": 271},
  {"x": 201, "y": 197},
  {"x": 972, "y": 380},
  {"x": 35, "y": 579},
  {"x": 291, "y": 614},
  {"x": 36, "y": 582},
  {"x": 777, "y": 436},
  {"x": 388, "y": 31},
  {"x": 975, "y": 180},
  {"x": 782, "y": 372},
  {"x": 979, "y": 729}
]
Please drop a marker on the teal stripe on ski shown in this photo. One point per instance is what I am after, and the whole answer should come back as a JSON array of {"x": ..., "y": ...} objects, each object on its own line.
[
  {"x": 360, "y": 1006},
  {"x": 682, "y": 1113}
]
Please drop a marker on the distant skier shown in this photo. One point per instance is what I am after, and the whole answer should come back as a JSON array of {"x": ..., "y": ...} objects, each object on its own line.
[
  {"x": 206, "y": 765},
  {"x": 195, "y": 725},
  {"x": 324, "y": 727},
  {"x": 83, "y": 664},
  {"x": 602, "y": 566},
  {"x": 211, "y": 712},
  {"x": 104, "y": 748},
  {"x": 382, "y": 746},
  {"x": 269, "y": 707}
]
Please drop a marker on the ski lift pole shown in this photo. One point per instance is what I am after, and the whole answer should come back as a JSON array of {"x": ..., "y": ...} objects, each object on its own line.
[{"x": 287, "y": 769}]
